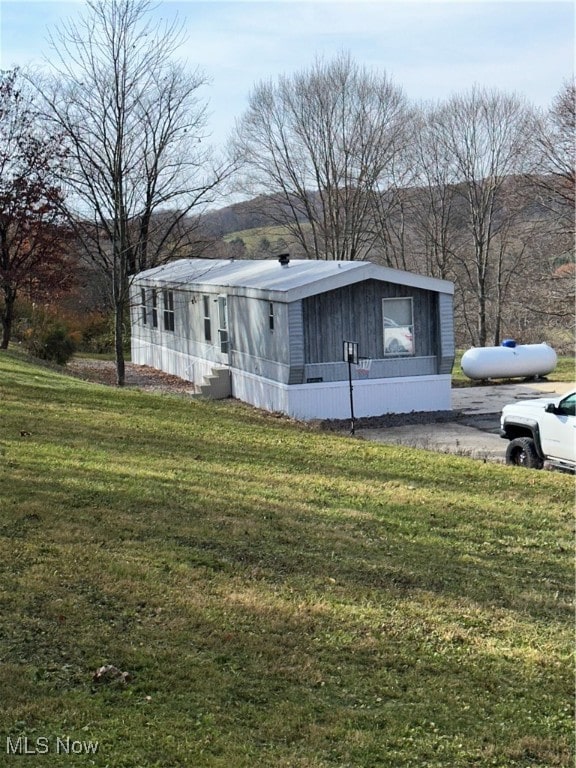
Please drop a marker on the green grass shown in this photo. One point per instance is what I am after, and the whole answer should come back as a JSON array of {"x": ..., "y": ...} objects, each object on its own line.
[
  {"x": 252, "y": 237},
  {"x": 280, "y": 597}
]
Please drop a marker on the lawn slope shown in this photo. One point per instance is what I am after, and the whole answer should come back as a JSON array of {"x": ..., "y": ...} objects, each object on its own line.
[{"x": 279, "y": 597}]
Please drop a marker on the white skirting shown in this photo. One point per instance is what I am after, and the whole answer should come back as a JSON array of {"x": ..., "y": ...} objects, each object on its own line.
[{"x": 331, "y": 400}]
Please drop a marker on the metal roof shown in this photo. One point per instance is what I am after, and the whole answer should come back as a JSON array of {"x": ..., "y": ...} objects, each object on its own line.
[{"x": 269, "y": 279}]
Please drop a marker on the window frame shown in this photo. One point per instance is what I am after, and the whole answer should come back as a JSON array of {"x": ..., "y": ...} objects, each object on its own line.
[
  {"x": 168, "y": 309},
  {"x": 143, "y": 307},
  {"x": 398, "y": 329},
  {"x": 223, "y": 323},
  {"x": 207, "y": 319},
  {"x": 154, "y": 308}
]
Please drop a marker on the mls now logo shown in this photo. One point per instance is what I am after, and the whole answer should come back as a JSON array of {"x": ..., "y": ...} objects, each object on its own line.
[{"x": 42, "y": 745}]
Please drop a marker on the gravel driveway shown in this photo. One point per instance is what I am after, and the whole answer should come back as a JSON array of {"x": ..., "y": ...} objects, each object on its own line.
[{"x": 474, "y": 427}]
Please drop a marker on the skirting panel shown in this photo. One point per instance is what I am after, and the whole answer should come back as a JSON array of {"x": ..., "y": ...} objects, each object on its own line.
[{"x": 372, "y": 397}]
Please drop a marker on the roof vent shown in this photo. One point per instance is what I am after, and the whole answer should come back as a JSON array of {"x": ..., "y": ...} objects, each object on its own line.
[{"x": 284, "y": 259}]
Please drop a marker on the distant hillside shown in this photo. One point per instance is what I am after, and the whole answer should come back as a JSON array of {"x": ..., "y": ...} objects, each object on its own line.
[
  {"x": 238, "y": 217},
  {"x": 257, "y": 213}
]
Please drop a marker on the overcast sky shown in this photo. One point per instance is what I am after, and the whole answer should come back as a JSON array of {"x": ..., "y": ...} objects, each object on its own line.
[{"x": 431, "y": 49}]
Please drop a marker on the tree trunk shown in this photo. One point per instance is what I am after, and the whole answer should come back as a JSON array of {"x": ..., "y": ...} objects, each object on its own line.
[
  {"x": 6, "y": 330},
  {"x": 482, "y": 332},
  {"x": 119, "y": 344},
  {"x": 497, "y": 329},
  {"x": 7, "y": 316}
]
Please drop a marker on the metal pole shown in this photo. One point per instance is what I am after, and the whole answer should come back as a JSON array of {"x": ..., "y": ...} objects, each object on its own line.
[{"x": 351, "y": 395}]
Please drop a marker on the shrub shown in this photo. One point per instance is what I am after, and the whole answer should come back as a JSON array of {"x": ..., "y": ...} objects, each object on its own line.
[
  {"x": 53, "y": 342},
  {"x": 96, "y": 332}
]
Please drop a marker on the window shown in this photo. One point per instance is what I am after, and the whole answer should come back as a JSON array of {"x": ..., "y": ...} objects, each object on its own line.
[
  {"x": 398, "y": 327},
  {"x": 223, "y": 322},
  {"x": 154, "y": 308},
  {"x": 271, "y": 316},
  {"x": 207, "y": 320},
  {"x": 568, "y": 406},
  {"x": 143, "y": 306},
  {"x": 168, "y": 311}
]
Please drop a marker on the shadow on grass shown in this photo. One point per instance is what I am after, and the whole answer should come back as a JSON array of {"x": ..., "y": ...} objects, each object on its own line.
[{"x": 388, "y": 541}]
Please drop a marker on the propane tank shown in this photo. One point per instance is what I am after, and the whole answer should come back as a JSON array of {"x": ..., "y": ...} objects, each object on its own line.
[{"x": 508, "y": 361}]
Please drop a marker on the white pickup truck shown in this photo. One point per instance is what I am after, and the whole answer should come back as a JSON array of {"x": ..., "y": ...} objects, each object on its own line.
[{"x": 541, "y": 431}]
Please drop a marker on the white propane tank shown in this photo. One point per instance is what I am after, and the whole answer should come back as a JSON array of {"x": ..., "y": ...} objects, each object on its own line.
[{"x": 508, "y": 361}]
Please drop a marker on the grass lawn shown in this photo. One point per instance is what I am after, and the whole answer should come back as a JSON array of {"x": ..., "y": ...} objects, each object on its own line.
[{"x": 280, "y": 597}]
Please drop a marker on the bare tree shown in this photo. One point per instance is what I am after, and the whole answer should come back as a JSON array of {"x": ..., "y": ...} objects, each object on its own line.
[
  {"x": 487, "y": 136},
  {"x": 436, "y": 213},
  {"x": 134, "y": 125},
  {"x": 322, "y": 142},
  {"x": 392, "y": 208},
  {"x": 556, "y": 144}
]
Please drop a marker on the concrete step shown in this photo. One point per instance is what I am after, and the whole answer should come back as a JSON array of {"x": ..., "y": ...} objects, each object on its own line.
[{"x": 217, "y": 385}]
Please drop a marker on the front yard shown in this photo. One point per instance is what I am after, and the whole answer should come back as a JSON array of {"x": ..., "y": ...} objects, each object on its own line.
[{"x": 278, "y": 596}]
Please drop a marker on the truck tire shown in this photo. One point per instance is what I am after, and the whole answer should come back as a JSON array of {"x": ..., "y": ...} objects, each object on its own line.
[{"x": 522, "y": 452}]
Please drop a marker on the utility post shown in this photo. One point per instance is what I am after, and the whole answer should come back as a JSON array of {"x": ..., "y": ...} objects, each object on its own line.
[{"x": 351, "y": 357}]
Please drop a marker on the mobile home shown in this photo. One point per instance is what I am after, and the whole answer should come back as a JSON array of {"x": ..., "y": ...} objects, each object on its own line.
[{"x": 272, "y": 333}]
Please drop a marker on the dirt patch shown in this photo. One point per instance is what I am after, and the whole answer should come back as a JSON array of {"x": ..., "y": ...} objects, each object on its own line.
[
  {"x": 390, "y": 420},
  {"x": 137, "y": 376}
]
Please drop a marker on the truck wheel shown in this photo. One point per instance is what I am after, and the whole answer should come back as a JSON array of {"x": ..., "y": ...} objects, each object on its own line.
[{"x": 522, "y": 453}]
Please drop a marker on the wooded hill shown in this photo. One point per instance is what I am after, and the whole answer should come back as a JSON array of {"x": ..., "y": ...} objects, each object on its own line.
[{"x": 527, "y": 273}]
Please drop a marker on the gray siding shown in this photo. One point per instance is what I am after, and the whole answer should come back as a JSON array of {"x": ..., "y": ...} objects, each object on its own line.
[
  {"x": 355, "y": 313},
  {"x": 188, "y": 335},
  {"x": 249, "y": 321},
  {"x": 447, "y": 351},
  {"x": 260, "y": 367},
  {"x": 296, "y": 335},
  {"x": 380, "y": 369},
  {"x": 255, "y": 347}
]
